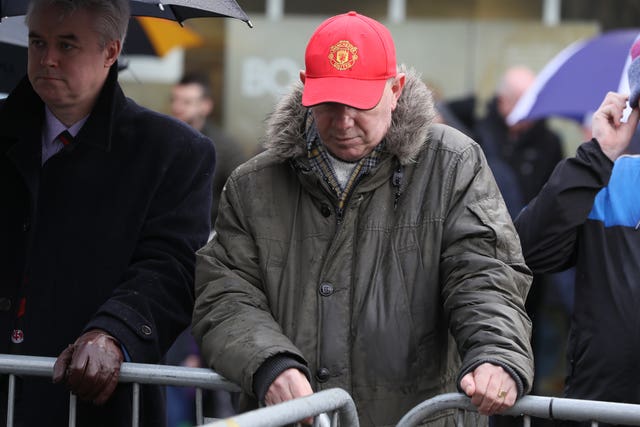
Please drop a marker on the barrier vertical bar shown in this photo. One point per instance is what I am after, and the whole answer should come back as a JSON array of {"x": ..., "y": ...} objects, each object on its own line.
[
  {"x": 11, "y": 400},
  {"x": 73, "y": 403},
  {"x": 199, "y": 411},
  {"x": 135, "y": 416}
]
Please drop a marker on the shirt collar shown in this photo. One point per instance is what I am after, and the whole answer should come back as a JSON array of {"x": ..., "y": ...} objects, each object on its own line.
[{"x": 53, "y": 126}]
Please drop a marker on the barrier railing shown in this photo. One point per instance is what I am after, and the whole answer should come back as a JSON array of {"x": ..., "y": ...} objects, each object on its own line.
[
  {"x": 532, "y": 406},
  {"x": 336, "y": 402},
  {"x": 134, "y": 373}
]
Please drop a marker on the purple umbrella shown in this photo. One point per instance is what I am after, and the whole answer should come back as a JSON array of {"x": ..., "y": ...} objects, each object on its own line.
[{"x": 576, "y": 80}]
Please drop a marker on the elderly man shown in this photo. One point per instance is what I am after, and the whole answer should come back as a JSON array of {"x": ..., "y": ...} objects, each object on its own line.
[
  {"x": 104, "y": 205},
  {"x": 365, "y": 248}
]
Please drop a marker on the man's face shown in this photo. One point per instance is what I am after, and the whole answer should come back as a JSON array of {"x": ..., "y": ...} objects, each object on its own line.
[
  {"x": 67, "y": 65},
  {"x": 351, "y": 134},
  {"x": 189, "y": 104}
]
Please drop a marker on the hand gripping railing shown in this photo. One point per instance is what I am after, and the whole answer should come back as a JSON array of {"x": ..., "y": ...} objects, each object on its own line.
[
  {"x": 528, "y": 406},
  {"x": 135, "y": 373},
  {"x": 334, "y": 401}
]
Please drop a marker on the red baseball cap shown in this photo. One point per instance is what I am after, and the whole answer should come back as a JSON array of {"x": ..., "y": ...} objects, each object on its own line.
[{"x": 348, "y": 60}]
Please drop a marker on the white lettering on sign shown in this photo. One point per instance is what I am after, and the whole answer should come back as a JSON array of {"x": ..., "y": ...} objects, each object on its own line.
[{"x": 273, "y": 77}]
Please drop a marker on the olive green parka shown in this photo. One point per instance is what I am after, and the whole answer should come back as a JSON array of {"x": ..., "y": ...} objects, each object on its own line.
[{"x": 418, "y": 282}]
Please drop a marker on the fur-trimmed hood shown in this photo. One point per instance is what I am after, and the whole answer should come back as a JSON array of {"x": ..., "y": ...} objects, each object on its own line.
[{"x": 408, "y": 133}]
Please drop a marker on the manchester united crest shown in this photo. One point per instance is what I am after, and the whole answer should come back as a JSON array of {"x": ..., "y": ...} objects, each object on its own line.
[{"x": 343, "y": 55}]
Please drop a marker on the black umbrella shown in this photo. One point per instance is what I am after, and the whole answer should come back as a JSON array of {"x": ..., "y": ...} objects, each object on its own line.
[
  {"x": 13, "y": 52},
  {"x": 13, "y": 66},
  {"x": 176, "y": 10},
  {"x": 179, "y": 10}
]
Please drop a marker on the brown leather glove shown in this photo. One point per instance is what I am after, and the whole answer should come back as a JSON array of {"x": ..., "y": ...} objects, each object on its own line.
[{"x": 90, "y": 366}]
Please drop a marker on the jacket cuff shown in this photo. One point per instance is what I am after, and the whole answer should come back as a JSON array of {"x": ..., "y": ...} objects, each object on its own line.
[
  {"x": 134, "y": 333},
  {"x": 592, "y": 149},
  {"x": 272, "y": 368},
  {"x": 512, "y": 372}
]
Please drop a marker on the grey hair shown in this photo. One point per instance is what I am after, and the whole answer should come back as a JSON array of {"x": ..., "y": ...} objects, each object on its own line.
[{"x": 112, "y": 15}]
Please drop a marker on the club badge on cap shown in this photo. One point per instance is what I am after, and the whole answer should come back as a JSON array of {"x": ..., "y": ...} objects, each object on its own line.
[
  {"x": 348, "y": 60},
  {"x": 343, "y": 55}
]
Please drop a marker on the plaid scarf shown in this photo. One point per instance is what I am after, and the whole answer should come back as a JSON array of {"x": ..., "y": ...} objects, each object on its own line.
[{"x": 320, "y": 161}]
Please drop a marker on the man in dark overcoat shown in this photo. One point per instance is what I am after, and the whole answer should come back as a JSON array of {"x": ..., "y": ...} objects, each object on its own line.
[{"x": 103, "y": 206}]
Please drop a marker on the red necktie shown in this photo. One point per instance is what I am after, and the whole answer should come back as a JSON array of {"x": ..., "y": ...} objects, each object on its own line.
[{"x": 65, "y": 138}]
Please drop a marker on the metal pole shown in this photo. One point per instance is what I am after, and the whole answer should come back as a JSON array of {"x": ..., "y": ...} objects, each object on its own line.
[
  {"x": 135, "y": 416},
  {"x": 11, "y": 400},
  {"x": 73, "y": 403},
  {"x": 551, "y": 11},
  {"x": 275, "y": 10},
  {"x": 142, "y": 373},
  {"x": 536, "y": 406},
  {"x": 199, "y": 411},
  {"x": 294, "y": 410},
  {"x": 397, "y": 11}
]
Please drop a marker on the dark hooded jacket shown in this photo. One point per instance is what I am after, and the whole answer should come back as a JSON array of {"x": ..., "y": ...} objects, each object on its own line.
[
  {"x": 418, "y": 282},
  {"x": 587, "y": 216}
]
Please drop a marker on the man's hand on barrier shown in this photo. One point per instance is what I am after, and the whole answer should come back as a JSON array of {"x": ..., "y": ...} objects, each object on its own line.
[
  {"x": 90, "y": 366},
  {"x": 491, "y": 389},
  {"x": 289, "y": 385}
]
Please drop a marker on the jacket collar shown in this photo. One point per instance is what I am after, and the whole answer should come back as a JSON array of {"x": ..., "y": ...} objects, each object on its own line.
[
  {"x": 98, "y": 129},
  {"x": 405, "y": 138}
]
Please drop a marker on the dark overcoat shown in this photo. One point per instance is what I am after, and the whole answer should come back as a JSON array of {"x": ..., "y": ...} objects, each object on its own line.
[{"x": 103, "y": 235}]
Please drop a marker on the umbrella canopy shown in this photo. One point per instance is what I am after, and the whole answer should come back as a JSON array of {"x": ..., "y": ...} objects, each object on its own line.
[
  {"x": 13, "y": 66},
  {"x": 179, "y": 10},
  {"x": 175, "y": 10},
  {"x": 13, "y": 52},
  {"x": 574, "y": 83}
]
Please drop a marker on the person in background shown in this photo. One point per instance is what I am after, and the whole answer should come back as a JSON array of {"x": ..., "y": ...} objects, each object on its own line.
[
  {"x": 366, "y": 248},
  {"x": 457, "y": 113},
  {"x": 104, "y": 205},
  {"x": 192, "y": 102},
  {"x": 587, "y": 216},
  {"x": 529, "y": 149}
]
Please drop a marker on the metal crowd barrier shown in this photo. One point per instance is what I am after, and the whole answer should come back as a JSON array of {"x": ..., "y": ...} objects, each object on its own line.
[
  {"x": 134, "y": 373},
  {"x": 336, "y": 402},
  {"x": 528, "y": 407},
  {"x": 553, "y": 408}
]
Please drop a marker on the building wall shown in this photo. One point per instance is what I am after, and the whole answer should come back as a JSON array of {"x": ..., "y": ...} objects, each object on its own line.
[
  {"x": 460, "y": 47},
  {"x": 458, "y": 57}
]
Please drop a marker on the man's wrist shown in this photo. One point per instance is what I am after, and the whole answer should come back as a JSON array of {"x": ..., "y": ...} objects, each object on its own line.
[{"x": 272, "y": 368}]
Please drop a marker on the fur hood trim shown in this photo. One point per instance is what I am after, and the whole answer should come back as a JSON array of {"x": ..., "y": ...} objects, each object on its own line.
[{"x": 406, "y": 137}]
